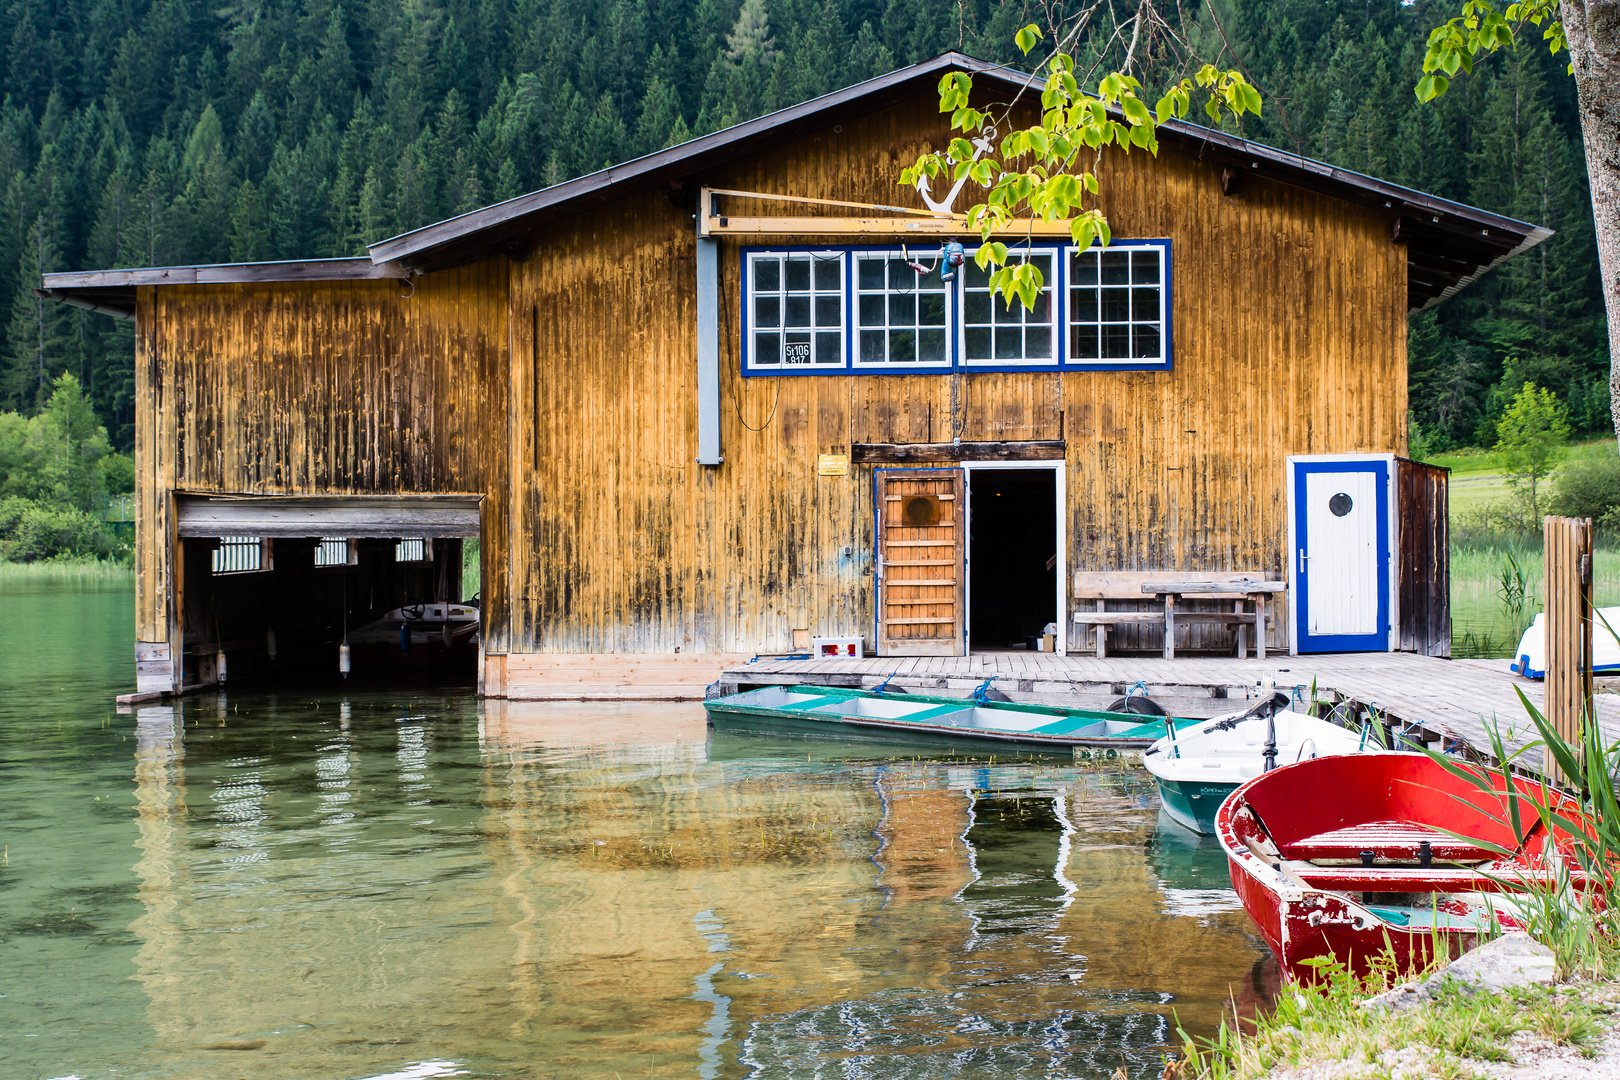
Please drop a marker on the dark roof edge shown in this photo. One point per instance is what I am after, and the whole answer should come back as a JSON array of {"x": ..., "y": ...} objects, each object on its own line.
[
  {"x": 1281, "y": 165},
  {"x": 1536, "y": 235},
  {"x": 225, "y": 274}
]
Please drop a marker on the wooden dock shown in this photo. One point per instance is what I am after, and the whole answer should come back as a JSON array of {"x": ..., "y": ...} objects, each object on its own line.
[{"x": 1433, "y": 699}]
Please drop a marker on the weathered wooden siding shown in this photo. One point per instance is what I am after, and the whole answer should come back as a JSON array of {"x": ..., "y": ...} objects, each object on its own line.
[
  {"x": 335, "y": 387},
  {"x": 1289, "y": 338}
]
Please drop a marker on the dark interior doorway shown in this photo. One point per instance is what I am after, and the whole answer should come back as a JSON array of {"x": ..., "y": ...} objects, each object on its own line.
[
  {"x": 1012, "y": 557},
  {"x": 276, "y": 610}
]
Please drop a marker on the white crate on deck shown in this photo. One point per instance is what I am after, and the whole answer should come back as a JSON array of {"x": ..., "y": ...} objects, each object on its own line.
[{"x": 828, "y": 648}]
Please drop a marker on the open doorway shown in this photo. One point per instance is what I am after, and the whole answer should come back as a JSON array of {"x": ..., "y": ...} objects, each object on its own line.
[
  {"x": 1015, "y": 557},
  {"x": 283, "y": 590}
]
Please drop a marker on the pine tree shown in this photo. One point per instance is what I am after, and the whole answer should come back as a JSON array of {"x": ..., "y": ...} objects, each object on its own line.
[{"x": 40, "y": 340}]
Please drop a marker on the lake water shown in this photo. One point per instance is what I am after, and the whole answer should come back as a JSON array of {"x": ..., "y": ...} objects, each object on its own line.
[{"x": 407, "y": 884}]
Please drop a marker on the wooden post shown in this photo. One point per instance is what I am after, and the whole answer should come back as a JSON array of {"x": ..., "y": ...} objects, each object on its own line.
[{"x": 1567, "y": 587}]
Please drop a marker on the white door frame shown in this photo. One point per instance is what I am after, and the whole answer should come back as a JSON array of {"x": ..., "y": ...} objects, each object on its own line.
[
  {"x": 1061, "y": 488},
  {"x": 1393, "y": 525}
]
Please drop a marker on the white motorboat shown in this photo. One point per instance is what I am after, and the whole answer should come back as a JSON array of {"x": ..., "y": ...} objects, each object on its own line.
[
  {"x": 1197, "y": 768},
  {"x": 1530, "y": 658},
  {"x": 447, "y": 625}
]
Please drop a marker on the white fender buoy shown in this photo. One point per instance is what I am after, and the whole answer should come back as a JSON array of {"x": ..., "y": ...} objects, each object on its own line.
[{"x": 343, "y": 659}]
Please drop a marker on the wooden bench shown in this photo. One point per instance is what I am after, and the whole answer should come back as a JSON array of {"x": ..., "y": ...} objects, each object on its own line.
[{"x": 1243, "y": 589}]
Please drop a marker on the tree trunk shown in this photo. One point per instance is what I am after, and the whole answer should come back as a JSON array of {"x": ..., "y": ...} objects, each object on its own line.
[{"x": 1593, "y": 30}]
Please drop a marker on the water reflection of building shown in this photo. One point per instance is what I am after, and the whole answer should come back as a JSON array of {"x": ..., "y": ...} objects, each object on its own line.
[{"x": 643, "y": 897}]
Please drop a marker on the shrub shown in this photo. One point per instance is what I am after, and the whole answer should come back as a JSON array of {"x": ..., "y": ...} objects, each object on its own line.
[
  {"x": 30, "y": 532},
  {"x": 1589, "y": 486}
]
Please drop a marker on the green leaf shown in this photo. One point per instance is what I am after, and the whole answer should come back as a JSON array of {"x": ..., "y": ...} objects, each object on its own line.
[
  {"x": 1135, "y": 111},
  {"x": 1028, "y": 38},
  {"x": 1252, "y": 96}
]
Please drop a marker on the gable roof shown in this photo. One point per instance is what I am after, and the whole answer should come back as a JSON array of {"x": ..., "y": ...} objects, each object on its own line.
[{"x": 1449, "y": 244}]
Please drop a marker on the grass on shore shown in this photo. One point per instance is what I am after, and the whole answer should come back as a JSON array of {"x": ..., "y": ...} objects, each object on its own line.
[
  {"x": 1448, "y": 1038},
  {"x": 65, "y": 569}
]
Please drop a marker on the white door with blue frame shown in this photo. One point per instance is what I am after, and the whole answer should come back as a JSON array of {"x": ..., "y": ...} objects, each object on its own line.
[{"x": 1341, "y": 555}]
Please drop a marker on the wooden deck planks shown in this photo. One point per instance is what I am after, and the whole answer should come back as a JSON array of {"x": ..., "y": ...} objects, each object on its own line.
[{"x": 1451, "y": 698}]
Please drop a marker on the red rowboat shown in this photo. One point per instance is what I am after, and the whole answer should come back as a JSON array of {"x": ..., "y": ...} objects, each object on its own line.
[{"x": 1341, "y": 856}]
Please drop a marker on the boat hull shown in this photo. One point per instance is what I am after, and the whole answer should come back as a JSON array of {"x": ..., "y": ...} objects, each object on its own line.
[
  {"x": 1191, "y": 804},
  {"x": 918, "y": 720},
  {"x": 1316, "y": 925},
  {"x": 1354, "y": 856}
]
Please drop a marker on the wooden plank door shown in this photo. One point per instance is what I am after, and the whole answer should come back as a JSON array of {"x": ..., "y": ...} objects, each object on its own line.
[{"x": 921, "y": 578}]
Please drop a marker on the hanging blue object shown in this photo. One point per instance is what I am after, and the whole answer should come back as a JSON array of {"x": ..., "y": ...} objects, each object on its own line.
[
  {"x": 405, "y": 637},
  {"x": 954, "y": 258}
]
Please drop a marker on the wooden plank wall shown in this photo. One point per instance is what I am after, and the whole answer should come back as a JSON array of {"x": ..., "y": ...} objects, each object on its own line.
[
  {"x": 1423, "y": 521},
  {"x": 1290, "y": 338},
  {"x": 336, "y": 387}
]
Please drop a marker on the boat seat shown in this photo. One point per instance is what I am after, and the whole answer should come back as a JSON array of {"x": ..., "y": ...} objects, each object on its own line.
[
  {"x": 1391, "y": 842},
  {"x": 1400, "y": 879}
]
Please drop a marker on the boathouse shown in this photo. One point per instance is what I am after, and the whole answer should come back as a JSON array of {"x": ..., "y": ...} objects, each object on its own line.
[{"x": 692, "y": 415}]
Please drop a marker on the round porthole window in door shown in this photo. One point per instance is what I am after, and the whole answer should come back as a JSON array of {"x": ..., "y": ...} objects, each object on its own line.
[
  {"x": 1341, "y": 504},
  {"x": 922, "y": 511}
]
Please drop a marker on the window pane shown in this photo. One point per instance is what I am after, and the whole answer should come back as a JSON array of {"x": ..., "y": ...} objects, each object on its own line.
[
  {"x": 1147, "y": 343},
  {"x": 869, "y": 274},
  {"x": 1007, "y": 311},
  {"x": 1038, "y": 343},
  {"x": 901, "y": 275},
  {"x": 1009, "y": 343},
  {"x": 1116, "y": 342},
  {"x": 903, "y": 345},
  {"x": 1115, "y": 267},
  {"x": 872, "y": 310},
  {"x": 829, "y": 310},
  {"x": 767, "y": 348},
  {"x": 872, "y": 346},
  {"x": 1042, "y": 312},
  {"x": 767, "y": 274},
  {"x": 975, "y": 277},
  {"x": 902, "y": 310},
  {"x": 798, "y": 311},
  {"x": 1085, "y": 305},
  {"x": 1083, "y": 343},
  {"x": 1116, "y": 305},
  {"x": 976, "y": 307},
  {"x": 829, "y": 273},
  {"x": 767, "y": 311},
  {"x": 1145, "y": 305},
  {"x": 978, "y": 343},
  {"x": 931, "y": 309},
  {"x": 797, "y": 350},
  {"x": 1085, "y": 268},
  {"x": 798, "y": 275},
  {"x": 829, "y": 348},
  {"x": 931, "y": 346},
  {"x": 1145, "y": 267}
]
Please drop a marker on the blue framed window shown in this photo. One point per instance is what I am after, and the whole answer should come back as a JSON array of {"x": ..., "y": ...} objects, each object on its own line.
[
  {"x": 902, "y": 317},
  {"x": 796, "y": 303},
  {"x": 998, "y": 334},
  {"x": 881, "y": 309},
  {"x": 1117, "y": 306}
]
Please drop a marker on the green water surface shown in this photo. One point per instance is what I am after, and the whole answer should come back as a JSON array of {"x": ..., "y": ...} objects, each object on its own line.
[{"x": 284, "y": 883}]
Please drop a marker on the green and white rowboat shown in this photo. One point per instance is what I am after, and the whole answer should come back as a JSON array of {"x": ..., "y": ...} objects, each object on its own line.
[
  {"x": 834, "y": 713},
  {"x": 1204, "y": 763}
]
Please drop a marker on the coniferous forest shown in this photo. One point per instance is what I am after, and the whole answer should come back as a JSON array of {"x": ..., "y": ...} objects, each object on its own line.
[{"x": 157, "y": 132}]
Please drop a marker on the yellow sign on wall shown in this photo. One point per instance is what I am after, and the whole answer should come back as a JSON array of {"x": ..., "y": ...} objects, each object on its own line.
[{"x": 832, "y": 465}]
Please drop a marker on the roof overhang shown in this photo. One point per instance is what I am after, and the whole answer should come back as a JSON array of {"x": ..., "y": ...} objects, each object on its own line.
[
  {"x": 112, "y": 292},
  {"x": 1449, "y": 244}
]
